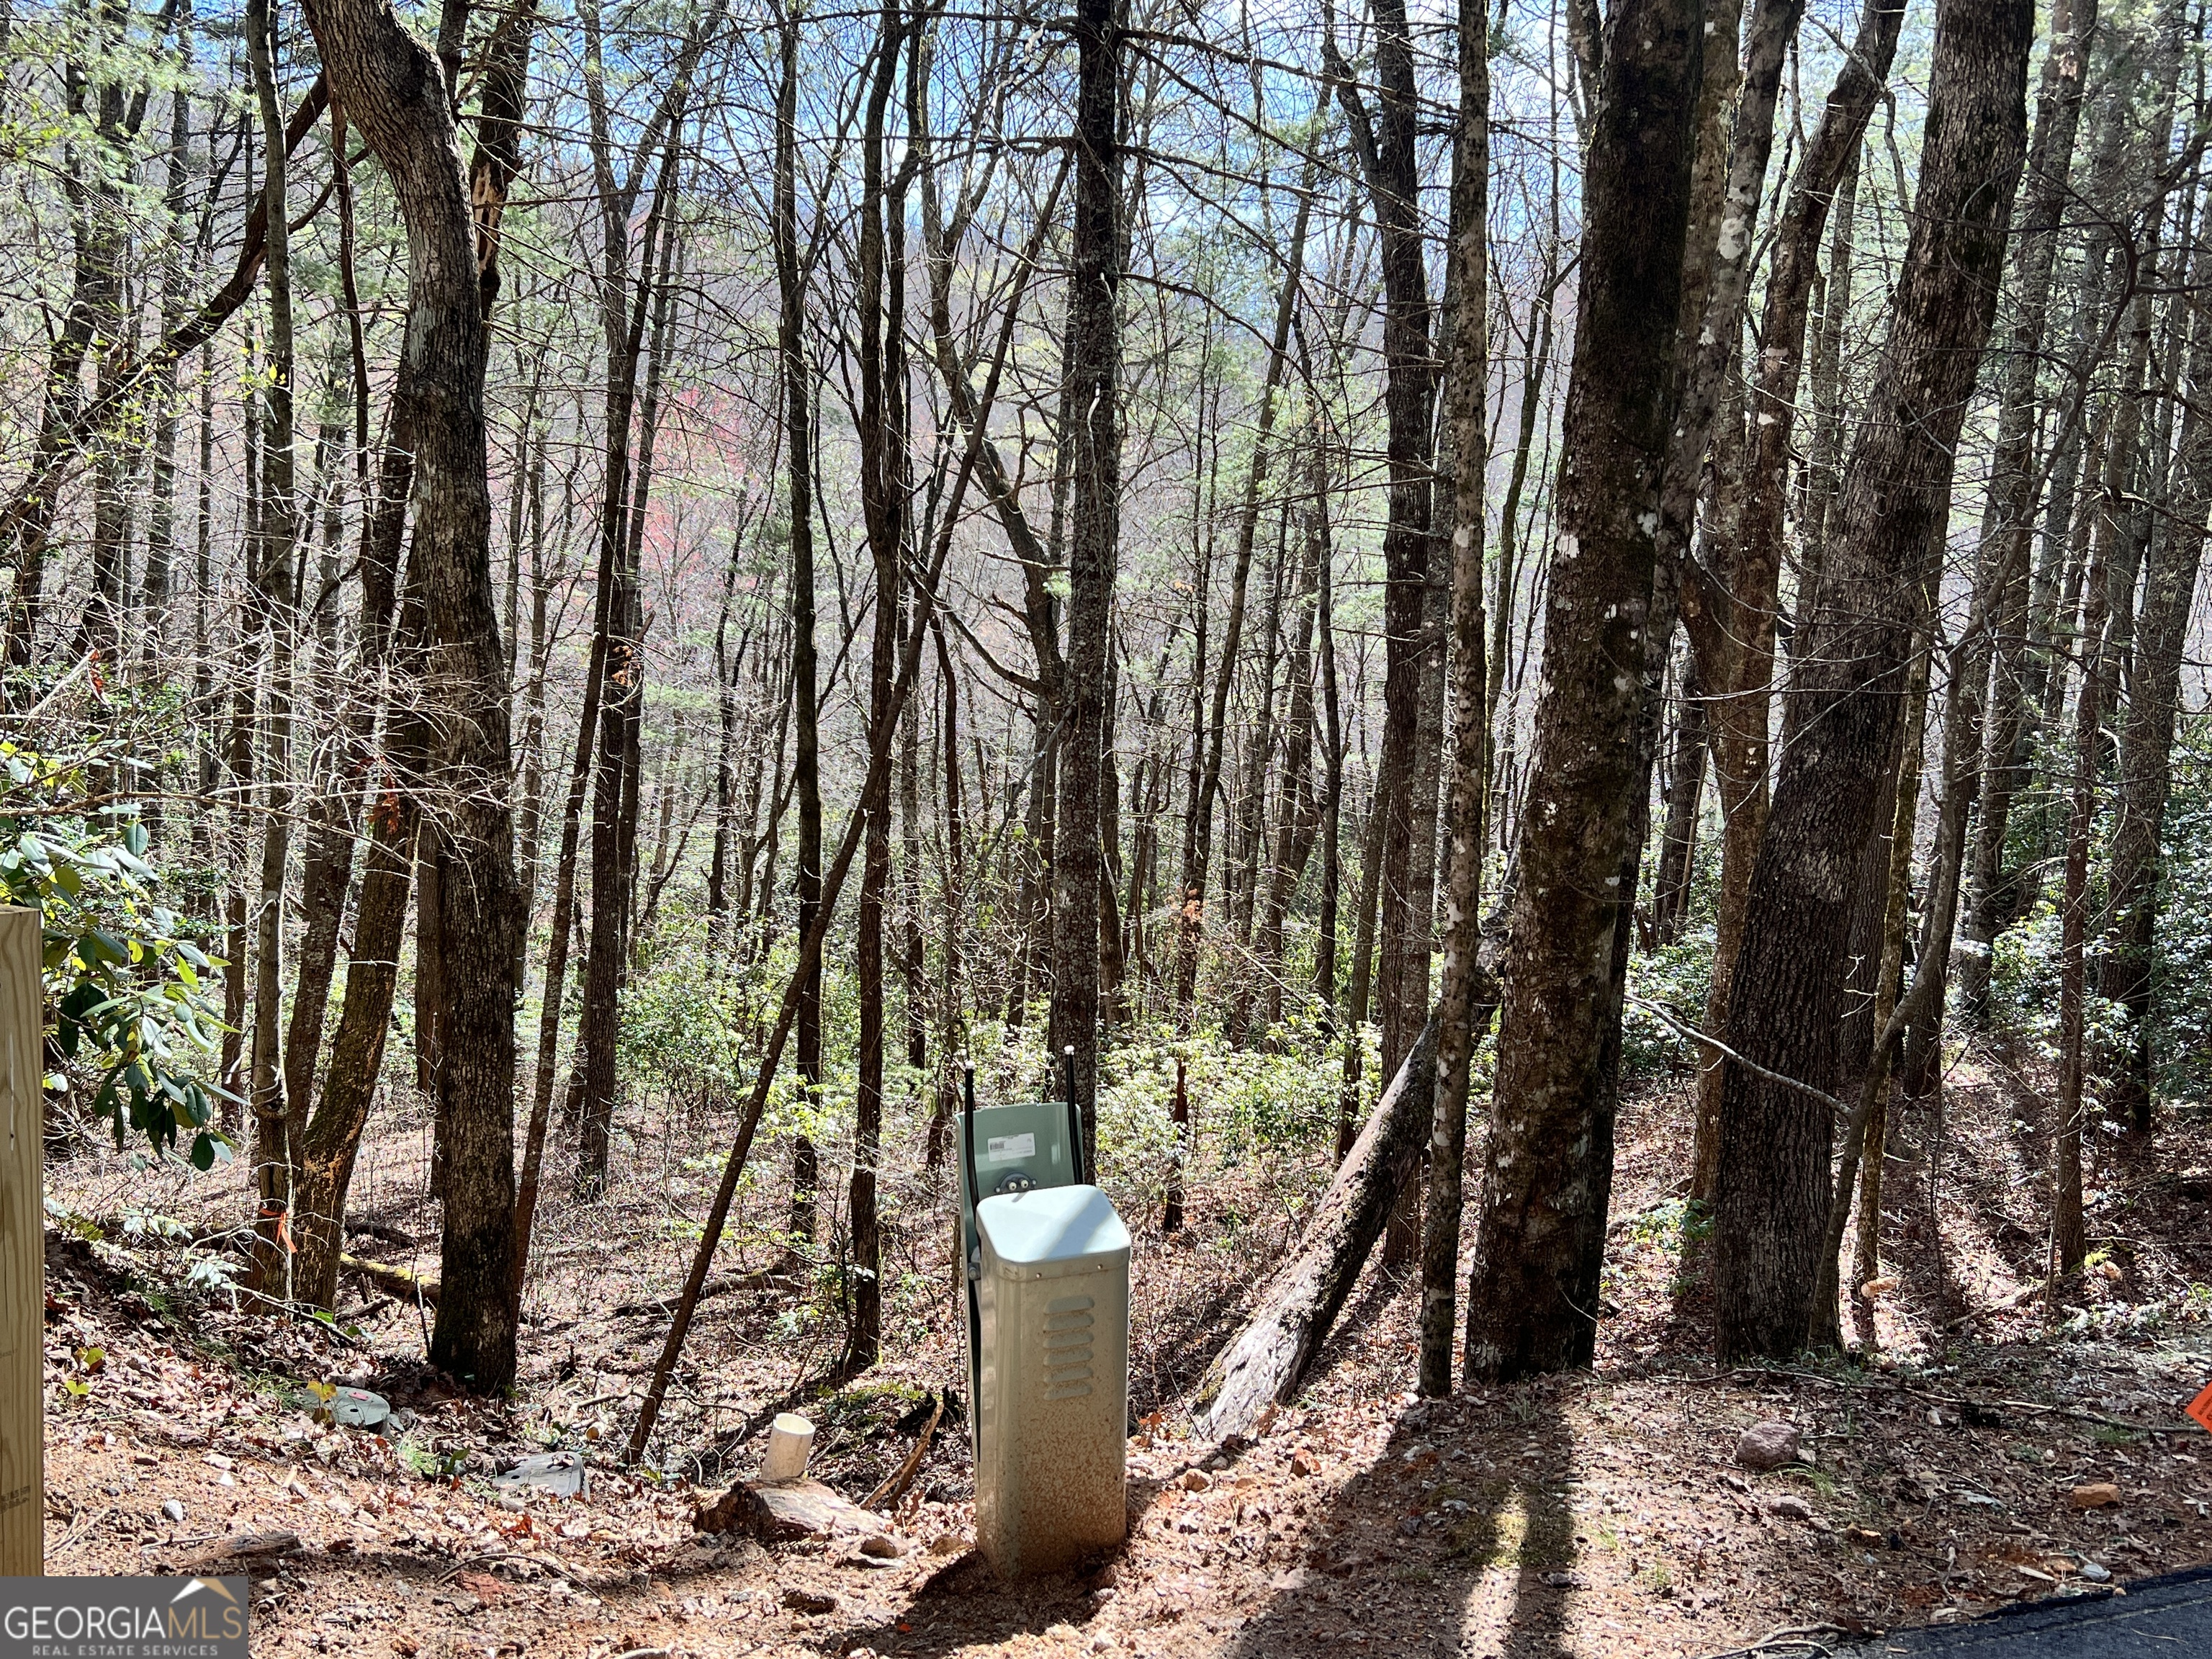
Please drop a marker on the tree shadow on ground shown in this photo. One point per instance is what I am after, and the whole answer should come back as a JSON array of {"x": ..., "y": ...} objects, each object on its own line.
[
  {"x": 1438, "y": 1549},
  {"x": 965, "y": 1603}
]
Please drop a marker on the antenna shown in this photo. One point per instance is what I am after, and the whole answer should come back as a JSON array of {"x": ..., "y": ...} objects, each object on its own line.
[
  {"x": 968, "y": 1132},
  {"x": 1074, "y": 1119}
]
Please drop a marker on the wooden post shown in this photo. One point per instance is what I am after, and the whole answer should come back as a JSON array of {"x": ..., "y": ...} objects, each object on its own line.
[{"x": 22, "y": 1249}]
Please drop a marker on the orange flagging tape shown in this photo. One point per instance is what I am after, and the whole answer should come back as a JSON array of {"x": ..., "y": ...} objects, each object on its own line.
[{"x": 2201, "y": 1408}]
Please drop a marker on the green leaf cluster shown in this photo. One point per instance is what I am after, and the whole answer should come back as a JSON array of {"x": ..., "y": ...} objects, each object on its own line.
[{"x": 126, "y": 989}]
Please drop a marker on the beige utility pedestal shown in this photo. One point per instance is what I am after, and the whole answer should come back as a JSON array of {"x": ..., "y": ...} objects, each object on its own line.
[
  {"x": 1046, "y": 1261},
  {"x": 22, "y": 1248},
  {"x": 1051, "y": 1404}
]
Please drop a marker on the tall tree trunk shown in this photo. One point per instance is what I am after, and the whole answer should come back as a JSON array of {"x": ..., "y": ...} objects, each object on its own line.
[
  {"x": 386, "y": 786},
  {"x": 625, "y": 309},
  {"x": 1093, "y": 377},
  {"x": 275, "y": 610},
  {"x": 2009, "y": 523},
  {"x": 953, "y": 1042},
  {"x": 880, "y": 284},
  {"x": 1774, "y": 1190},
  {"x": 1332, "y": 856},
  {"x": 1549, "y": 1168},
  {"x": 1866, "y": 1257},
  {"x": 1295, "y": 810},
  {"x": 161, "y": 517},
  {"x": 2147, "y": 739},
  {"x": 1466, "y": 378},
  {"x": 798, "y": 442},
  {"x": 1210, "y": 739},
  {"x": 2069, "y": 1245},
  {"x": 1386, "y": 146},
  {"x": 1359, "y": 986},
  {"x": 1731, "y": 621},
  {"x": 384, "y": 77},
  {"x": 1685, "y": 785}
]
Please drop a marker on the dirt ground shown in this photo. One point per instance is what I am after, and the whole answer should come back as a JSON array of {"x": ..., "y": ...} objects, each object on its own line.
[{"x": 1598, "y": 1514}]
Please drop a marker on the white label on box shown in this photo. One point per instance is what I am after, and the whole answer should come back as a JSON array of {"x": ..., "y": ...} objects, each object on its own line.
[{"x": 1003, "y": 1149}]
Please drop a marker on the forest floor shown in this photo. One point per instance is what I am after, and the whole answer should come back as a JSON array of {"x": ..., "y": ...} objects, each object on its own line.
[{"x": 1597, "y": 1514}]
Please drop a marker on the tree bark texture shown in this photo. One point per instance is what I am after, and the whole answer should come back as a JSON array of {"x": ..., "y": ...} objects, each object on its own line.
[
  {"x": 2147, "y": 739},
  {"x": 1847, "y": 697},
  {"x": 1531, "y": 1296},
  {"x": 1730, "y": 614},
  {"x": 2010, "y": 524},
  {"x": 1093, "y": 432},
  {"x": 390, "y": 87}
]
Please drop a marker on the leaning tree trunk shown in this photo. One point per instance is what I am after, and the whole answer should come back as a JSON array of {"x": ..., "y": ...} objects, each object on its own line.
[
  {"x": 1847, "y": 701},
  {"x": 1265, "y": 1362},
  {"x": 389, "y": 84},
  {"x": 1550, "y": 1162}
]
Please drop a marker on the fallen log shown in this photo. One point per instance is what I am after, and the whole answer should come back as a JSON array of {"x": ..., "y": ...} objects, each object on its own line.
[
  {"x": 1270, "y": 1356},
  {"x": 720, "y": 1285},
  {"x": 401, "y": 1282}
]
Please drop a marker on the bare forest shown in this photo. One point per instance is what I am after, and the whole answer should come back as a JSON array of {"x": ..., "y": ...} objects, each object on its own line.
[{"x": 1547, "y": 657}]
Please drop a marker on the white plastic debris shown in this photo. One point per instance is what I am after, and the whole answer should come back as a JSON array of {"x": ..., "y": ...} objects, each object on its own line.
[{"x": 790, "y": 1444}]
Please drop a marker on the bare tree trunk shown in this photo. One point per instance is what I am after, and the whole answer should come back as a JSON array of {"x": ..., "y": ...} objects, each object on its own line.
[
  {"x": 1385, "y": 144},
  {"x": 1774, "y": 1194},
  {"x": 1295, "y": 809},
  {"x": 1731, "y": 623},
  {"x": 1467, "y": 378},
  {"x": 881, "y": 295},
  {"x": 799, "y": 440},
  {"x": 1093, "y": 376},
  {"x": 1198, "y": 834},
  {"x": 2067, "y": 1244},
  {"x": 2009, "y": 523},
  {"x": 162, "y": 518},
  {"x": 1549, "y": 1165},
  {"x": 1866, "y": 1256},
  {"x": 624, "y": 313},
  {"x": 1686, "y": 784},
  {"x": 275, "y": 610},
  {"x": 953, "y": 1042},
  {"x": 2147, "y": 739},
  {"x": 384, "y": 78},
  {"x": 1332, "y": 854}
]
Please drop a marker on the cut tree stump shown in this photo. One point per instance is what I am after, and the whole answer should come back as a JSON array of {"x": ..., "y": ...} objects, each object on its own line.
[
  {"x": 785, "y": 1512},
  {"x": 1270, "y": 1356}
]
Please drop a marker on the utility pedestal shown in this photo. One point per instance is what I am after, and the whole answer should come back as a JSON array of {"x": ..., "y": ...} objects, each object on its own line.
[{"x": 1047, "y": 1272}]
